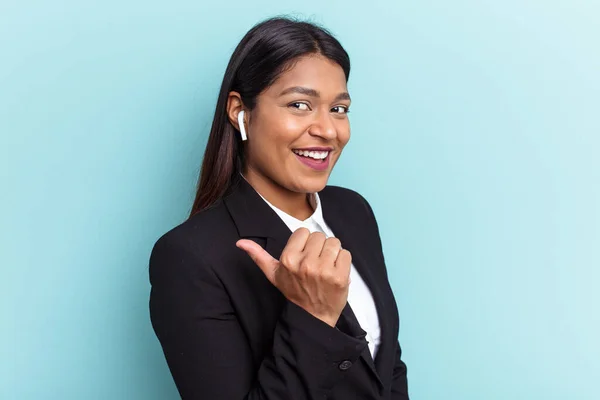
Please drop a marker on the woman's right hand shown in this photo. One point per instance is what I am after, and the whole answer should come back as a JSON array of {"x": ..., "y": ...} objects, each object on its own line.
[{"x": 313, "y": 272}]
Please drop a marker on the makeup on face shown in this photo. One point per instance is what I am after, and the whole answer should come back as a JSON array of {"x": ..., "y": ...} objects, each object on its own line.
[{"x": 300, "y": 126}]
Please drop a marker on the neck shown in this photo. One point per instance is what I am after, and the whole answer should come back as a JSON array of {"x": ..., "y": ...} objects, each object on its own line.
[{"x": 298, "y": 205}]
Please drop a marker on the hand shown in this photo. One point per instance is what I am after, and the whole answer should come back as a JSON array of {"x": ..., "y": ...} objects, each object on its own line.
[{"x": 313, "y": 272}]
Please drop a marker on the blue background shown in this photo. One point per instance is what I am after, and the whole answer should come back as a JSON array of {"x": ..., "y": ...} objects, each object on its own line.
[{"x": 475, "y": 138}]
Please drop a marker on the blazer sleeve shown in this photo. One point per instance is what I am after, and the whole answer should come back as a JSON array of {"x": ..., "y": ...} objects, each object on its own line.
[
  {"x": 207, "y": 351},
  {"x": 399, "y": 374},
  {"x": 399, "y": 379}
]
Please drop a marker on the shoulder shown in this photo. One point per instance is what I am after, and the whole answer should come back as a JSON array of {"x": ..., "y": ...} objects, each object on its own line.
[
  {"x": 193, "y": 242},
  {"x": 347, "y": 199},
  {"x": 200, "y": 227}
]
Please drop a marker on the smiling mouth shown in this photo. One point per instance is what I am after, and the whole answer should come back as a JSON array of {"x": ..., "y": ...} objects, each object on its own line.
[
  {"x": 315, "y": 155},
  {"x": 316, "y": 159}
]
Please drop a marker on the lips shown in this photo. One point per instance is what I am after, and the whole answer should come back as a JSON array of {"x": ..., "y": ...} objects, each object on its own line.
[{"x": 317, "y": 160}]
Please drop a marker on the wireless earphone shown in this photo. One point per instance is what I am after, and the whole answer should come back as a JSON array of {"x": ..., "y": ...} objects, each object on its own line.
[{"x": 241, "y": 124}]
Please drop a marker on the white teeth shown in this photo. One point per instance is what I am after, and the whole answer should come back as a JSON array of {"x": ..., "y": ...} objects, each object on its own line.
[{"x": 317, "y": 155}]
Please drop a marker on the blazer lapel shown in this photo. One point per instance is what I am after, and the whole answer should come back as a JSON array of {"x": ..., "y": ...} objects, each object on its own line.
[
  {"x": 254, "y": 218},
  {"x": 353, "y": 239}
]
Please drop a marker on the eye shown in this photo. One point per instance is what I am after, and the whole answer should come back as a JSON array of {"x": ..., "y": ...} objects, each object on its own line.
[
  {"x": 340, "y": 110},
  {"x": 300, "y": 106}
]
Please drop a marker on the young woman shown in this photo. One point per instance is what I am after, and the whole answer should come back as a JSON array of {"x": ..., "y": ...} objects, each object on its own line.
[{"x": 276, "y": 286}]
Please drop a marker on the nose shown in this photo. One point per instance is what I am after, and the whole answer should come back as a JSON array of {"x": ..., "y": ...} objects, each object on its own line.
[{"x": 323, "y": 126}]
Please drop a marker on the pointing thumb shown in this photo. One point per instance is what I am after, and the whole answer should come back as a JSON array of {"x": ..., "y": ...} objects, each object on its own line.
[{"x": 261, "y": 257}]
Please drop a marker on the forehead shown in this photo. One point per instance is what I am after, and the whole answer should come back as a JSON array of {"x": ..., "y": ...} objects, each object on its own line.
[{"x": 315, "y": 72}]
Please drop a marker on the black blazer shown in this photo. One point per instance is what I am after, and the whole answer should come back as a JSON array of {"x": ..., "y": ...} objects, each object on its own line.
[{"x": 228, "y": 333}]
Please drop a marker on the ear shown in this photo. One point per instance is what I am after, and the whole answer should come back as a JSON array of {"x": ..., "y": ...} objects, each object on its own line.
[{"x": 234, "y": 106}]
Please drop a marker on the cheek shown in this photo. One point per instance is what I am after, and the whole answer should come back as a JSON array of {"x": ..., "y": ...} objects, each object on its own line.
[
  {"x": 344, "y": 133},
  {"x": 272, "y": 135},
  {"x": 279, "y": 129},
  {"x": 289, "y": 127}
]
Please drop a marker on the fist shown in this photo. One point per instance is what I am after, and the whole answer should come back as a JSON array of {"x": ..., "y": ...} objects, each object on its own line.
[{"x": 313, "y": 272}]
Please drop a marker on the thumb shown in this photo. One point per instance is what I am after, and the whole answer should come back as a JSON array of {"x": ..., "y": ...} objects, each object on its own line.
[{"x": 261, "y": 257}]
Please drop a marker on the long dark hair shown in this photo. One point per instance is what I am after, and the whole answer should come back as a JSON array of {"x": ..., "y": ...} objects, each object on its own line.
[{"x": 261, "y": 56}]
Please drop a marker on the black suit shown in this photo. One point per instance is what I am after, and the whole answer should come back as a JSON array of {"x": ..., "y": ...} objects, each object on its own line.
[{"x": 228, "y": 333}]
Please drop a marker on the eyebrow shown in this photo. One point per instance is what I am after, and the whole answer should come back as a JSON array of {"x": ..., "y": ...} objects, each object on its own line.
[{"x": 312, "y": 93}]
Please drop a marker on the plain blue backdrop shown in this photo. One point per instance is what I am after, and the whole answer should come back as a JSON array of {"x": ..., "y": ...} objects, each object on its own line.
[{"x": 476, "y": 135}]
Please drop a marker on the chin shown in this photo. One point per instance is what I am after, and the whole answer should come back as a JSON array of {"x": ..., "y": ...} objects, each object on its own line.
[{"x": 312, "y": 185}]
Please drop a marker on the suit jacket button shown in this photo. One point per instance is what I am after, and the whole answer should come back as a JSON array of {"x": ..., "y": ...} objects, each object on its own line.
[{"x": 344, "y": 365}]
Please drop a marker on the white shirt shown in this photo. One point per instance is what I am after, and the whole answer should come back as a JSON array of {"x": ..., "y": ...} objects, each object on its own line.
[{"x": 359, "y": 295}]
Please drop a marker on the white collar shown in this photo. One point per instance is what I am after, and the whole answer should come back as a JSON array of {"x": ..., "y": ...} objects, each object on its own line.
[{"x": 294, "y": 223}]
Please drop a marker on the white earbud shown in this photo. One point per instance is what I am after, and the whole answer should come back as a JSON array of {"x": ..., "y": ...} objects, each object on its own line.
[{"x": 241, "y": 124}]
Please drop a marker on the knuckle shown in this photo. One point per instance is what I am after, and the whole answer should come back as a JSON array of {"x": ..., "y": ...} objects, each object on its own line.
[
  {"x": 344, "y": 259},
  {"x": 305, "y": 264},
  {"x": 335, "y": 242},
  {"x": 327, "y": 275},
  {"x": 318, "y": 235},
  {"x": 287, "y": 259},
  {"x": 347, "y": 255},
  {"x": 328, "y": 251},
  {"x": 341, "y": 282},
  {"x": 302, "y": 231}
]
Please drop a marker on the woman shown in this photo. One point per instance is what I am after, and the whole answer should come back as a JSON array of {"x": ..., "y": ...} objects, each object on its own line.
[{"x": 310, "y": 313}]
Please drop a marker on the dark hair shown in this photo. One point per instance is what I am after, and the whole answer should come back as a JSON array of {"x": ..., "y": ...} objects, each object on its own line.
[{"x": 267, "y": 50}]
